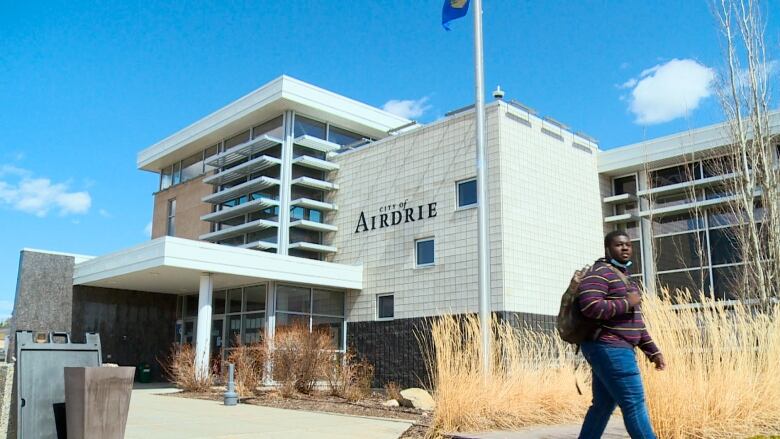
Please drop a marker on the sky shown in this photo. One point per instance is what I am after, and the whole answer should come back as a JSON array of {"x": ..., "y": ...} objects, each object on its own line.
[{"x": 85, "y": 86}]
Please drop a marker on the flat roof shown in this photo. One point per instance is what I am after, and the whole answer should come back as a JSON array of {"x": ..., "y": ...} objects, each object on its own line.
[
  {"x": 265, "y": 103},
  {"x": 174, "y": 265},
  {"x": 669, "y": 150}
]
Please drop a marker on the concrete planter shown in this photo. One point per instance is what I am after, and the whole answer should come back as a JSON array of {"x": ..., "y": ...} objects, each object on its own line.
[{"x": 97, "y": 400}]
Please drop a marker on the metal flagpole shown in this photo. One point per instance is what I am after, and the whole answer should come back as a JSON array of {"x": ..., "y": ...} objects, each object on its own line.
[{"x": 482, "y": 201}]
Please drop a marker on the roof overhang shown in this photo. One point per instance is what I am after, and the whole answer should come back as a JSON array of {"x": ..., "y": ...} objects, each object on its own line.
[
  {"x": 174, "y": 265},
  {"x": 671, "y": 150},
  {"x": 267, "y": 102}
]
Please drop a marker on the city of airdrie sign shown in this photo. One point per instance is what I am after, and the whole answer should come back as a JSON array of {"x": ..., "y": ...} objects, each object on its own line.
[{"x": 394, "y": 214}]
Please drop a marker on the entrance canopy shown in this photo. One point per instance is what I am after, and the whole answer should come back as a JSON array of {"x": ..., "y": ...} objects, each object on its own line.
[{"x": 174, "y": 265}]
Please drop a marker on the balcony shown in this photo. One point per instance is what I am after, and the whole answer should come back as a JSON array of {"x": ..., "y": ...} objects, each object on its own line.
[
  {"x": 242, "y": 170},
  {"x": 621, "y": 198},
  {"x": 313, "y": 225},
  {"x": 230, "y": 212},
  {"x": 242, "y": 189},
  {"x": 315, "y": 163},
  {"x": 308, "y": 246},
  {"x": 313, "y": 204},
  {"x": 252, "y": 226},
  {"x": 316, "y": 144},
  {"x": 313, "y": 183},
  {"x": 242, "y": 151}
]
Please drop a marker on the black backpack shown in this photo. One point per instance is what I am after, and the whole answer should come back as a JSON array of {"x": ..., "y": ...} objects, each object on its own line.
[{"x": 573, "y": 327}]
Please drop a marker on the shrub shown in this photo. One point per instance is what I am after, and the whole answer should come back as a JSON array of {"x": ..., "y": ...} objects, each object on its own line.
[
  {"x": 300, "y": 357},
  {"x": 393, "y": 391},
  {"x": 349, "y": 378},
  {"x": 249, "y": 361},
  {"x": 179, "y": 368}
]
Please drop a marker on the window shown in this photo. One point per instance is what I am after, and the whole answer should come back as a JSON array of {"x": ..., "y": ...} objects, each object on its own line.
[
  {"x": 171, "y": 226},
  {"x": 176, "y": 173},
  {"x": 192, "y": 166},
  {"x": 165, "y": 178},
  {"x": 467, "y": 193},
  {"x": 625, "y": 185},
  {"x": 675, "y": 174},
  {"x": 424, "y": 252},
  {"x": 343, "y": 137},
  {"x": 319, "y": 310},
  {"x": 272, "y": 128},
  {"x": 237, "y": 140},
  {"x": 306, "y": 126},
  {"x": 385, "y": 306}
]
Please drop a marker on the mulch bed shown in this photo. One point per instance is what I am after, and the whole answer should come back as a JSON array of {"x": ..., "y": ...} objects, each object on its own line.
[{"x": 370, "y": 406}]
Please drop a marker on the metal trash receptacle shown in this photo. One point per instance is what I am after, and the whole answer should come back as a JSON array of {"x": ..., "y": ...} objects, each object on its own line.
[{"x": 40, "y": 381}]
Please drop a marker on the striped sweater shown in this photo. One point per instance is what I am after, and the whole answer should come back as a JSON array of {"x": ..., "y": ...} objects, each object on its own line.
[{"x": 602, "y": 296}]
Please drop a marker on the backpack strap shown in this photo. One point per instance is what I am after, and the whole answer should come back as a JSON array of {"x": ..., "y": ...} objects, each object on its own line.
[{"x": 621, "y": 275}]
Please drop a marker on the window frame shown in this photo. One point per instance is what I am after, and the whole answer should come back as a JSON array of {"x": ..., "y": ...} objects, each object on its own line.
[
  {"x": 416, "y": 250},
  {"x": 458, "y": 206},
  {"x": 170, "y": 218},
  {"x": 380, "y": 296}
]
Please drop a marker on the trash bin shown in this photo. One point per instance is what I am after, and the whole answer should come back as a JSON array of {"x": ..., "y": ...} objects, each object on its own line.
[
  {"x": 144, "y": 373},
  {"x": 97, "y": 400}
]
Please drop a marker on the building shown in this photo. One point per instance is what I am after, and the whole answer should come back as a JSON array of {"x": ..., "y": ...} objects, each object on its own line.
[{"x": 296, "y": 204}]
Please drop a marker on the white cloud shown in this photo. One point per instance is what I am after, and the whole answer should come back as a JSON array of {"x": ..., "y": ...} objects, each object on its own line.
[
  {"x": 148, "y": 230},
  {"x": 21, "y": 191},
  {"x": 407, "y": 108},
  {"x": 668, "y": 91},
  {"x": 771, "y": 68},
  {"x": 105, "y": 214}
]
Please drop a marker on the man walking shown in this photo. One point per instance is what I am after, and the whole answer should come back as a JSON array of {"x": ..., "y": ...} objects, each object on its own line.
[{"x": 607, "y": 295}]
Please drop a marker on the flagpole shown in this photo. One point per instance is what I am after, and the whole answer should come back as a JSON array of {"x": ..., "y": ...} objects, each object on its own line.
[{"x": 482, "y": 200}]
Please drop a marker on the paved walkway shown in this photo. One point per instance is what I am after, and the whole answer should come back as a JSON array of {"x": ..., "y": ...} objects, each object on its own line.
[
  {"x": 615, "y": 430},
  {"x": 155, "y": 416}
]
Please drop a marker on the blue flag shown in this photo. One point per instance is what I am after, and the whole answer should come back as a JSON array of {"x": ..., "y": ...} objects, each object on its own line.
[{"x": 453, "y": 9}]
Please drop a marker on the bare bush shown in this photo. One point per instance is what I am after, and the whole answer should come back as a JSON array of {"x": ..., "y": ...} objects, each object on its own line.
[
  {"x": 249, "y": 361},
  {"x": 393, "y": 391},
  {"x": 179, "y": 368},
  {"x": 349, "y": 378},
  {"x": 300, "y": 357}
]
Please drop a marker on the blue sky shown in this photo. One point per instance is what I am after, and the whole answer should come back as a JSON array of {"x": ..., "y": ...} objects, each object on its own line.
[{"x": 85, "y": 85}]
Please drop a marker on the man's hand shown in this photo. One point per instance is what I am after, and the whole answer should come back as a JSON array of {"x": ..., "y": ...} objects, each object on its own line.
[
  {"x": 660, "y": 363},
  {"x": 633, "y": 298}
]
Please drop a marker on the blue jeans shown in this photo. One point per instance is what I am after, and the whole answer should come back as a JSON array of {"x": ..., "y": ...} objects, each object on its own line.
[{"x": 616, "y": 381}]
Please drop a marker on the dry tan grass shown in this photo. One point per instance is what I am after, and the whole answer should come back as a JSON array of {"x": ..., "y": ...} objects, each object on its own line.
[
  {"x": 532, "y": 381},
  {"x": 723, "y": 374},
  {"x": 348, "y": 377},
  {"x": 722, "y": 379}
]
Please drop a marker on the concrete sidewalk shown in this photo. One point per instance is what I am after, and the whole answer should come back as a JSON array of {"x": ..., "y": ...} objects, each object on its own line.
[{"x": 154, "y": 416}]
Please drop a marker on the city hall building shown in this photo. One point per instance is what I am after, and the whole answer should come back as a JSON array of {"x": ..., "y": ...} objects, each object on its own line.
[{"x": 294, "y": 203}]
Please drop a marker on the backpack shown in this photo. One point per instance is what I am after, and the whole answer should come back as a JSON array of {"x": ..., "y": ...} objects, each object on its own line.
[{"x": 573, "y": 327}]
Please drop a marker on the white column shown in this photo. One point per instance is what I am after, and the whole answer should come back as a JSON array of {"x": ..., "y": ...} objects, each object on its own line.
[
  {"x": 203, "y": 337},
  {"x": 285, "y": 189}
]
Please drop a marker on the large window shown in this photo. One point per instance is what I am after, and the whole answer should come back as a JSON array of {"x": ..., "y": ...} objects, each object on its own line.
[
  {"x": 467, "y": 193},
  {"x": 243, "y": 312},
  {"x": 309, "y": 127},
  {"x": 424, "y": 252},
  {"x": 318, "y": 309},
  {"x": 273, "y": 128},
  {"x": 343, "y": 137}
]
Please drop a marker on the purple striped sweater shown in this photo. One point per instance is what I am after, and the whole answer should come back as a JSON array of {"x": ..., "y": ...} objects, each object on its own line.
[{"x": 602, "y": 296}]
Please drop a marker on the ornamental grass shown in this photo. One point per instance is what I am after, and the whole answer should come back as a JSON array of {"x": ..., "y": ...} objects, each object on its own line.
[{"x": 722, "y": 378}]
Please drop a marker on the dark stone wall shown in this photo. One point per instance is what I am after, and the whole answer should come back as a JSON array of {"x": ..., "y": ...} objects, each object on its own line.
[
  {"x": 134, "y": 326},
  {"x": 394, "y": 350},
  {"x": 44, "y": 296}
]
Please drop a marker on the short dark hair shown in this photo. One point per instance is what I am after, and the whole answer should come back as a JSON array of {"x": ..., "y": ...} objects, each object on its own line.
[{"x": 614, "y": 234}]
